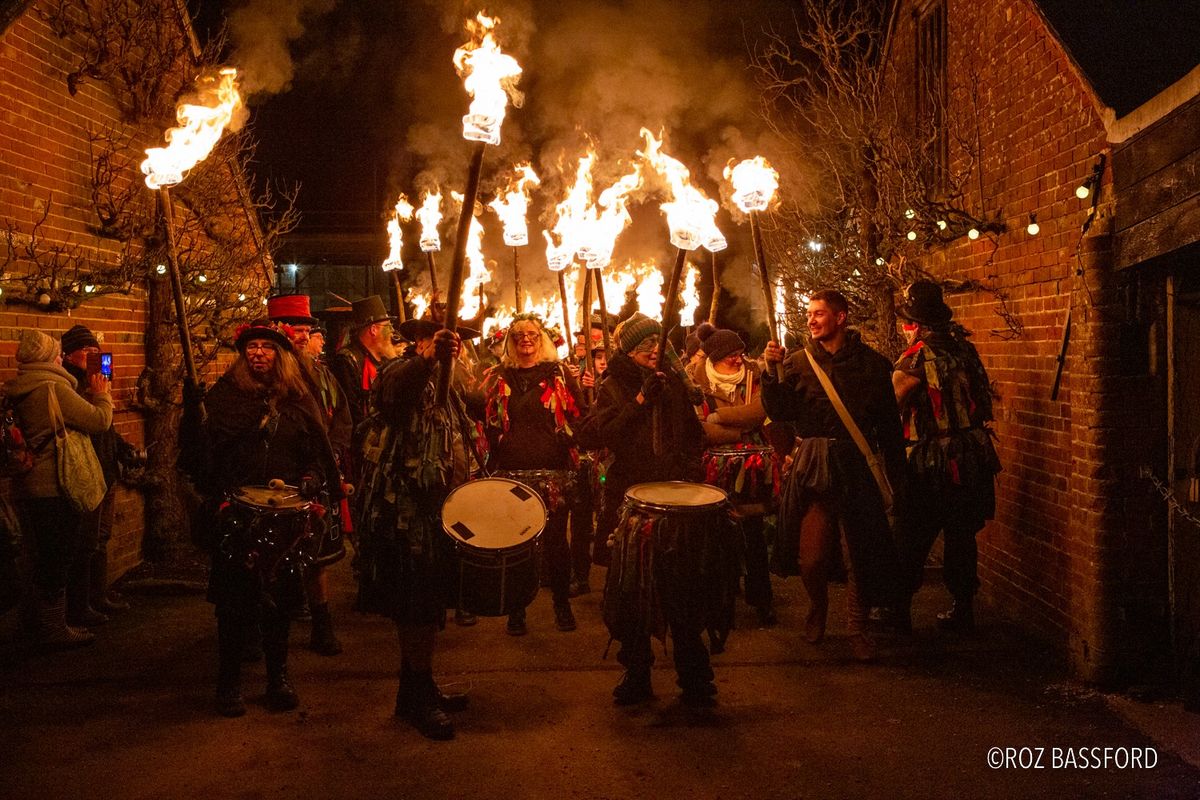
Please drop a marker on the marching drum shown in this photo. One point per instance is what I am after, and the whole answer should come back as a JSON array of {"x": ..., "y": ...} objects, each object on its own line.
[
  {"x": 495, "y": 524},
  {"x": 676, "y": 553},
  {"x": 266, "y": 529},
  {"x": 746, "y": 472}
]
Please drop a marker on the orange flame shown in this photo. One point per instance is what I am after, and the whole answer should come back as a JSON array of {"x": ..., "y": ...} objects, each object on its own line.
[
  {"x": 429, "y": 215},
  {"x": 479, "y": 273},
  {"x": 572, "y": 216},
  {"x": 490, "y": 78},
  {"x": 607, "y": 224},
  {"x": 402, "y": 213},
  {"x": 513, "y": 204},
  {"x": 689, "y": 298},
  {"x": 420, "y": 303},
  {"x": 691, "y": 216},
  {"x": 754, "y": 183},
  {"x": 200, "y": 127}
]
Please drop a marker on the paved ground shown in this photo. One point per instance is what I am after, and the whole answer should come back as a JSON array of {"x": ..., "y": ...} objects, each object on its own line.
[{"x": 130, "y": 718}]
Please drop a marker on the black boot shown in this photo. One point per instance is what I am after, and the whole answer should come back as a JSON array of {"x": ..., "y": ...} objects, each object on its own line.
[
  {"x": 229, "y": 701},
  {"x": 959, "y": 618},
  {"x": 281, "y": 695},
  {"x": 450, "y": 703},
  {"x": 102, "y": 599},
  {"x": 516, "y": 623},
  {"x": 417, "y": 702},
  {"x": 634, "y": 687},
  {"x": 79, "y": 610},
  {"x": 323, "y": 640}
]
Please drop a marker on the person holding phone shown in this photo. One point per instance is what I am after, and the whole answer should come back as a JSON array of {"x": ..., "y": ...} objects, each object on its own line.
[{"x": 88, "y": 600}]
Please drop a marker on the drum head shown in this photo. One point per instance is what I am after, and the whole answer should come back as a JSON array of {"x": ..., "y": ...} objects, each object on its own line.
[
  {"x": 493, "y": 514},
  {"x": 286, "y": 498},
  {"x": 676, "y": 494}
]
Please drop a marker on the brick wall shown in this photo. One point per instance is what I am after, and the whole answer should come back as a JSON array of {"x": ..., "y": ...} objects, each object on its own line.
[{"x": 1057, "y": 557}]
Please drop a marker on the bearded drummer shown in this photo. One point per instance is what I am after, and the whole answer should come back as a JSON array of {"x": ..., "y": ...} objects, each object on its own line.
[
  {"x": 262, "y": 425},
  {"x": 414, "y": 452},
  {"x": 639, "y": 402},
  {"x": 531, "y": 407},
  {"x": 733, "y": 414}
]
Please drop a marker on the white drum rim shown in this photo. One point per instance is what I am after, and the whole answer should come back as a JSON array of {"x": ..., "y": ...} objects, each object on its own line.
[
  {"x": 719, "y": 495},
  {"x": 295, "y": 503},
  {"x": 456, "y": 528}
]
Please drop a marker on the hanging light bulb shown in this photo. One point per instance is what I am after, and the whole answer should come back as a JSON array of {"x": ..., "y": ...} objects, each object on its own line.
[
  {"x": 879, "y": 262},
  {"x": 89, "y": 288},
  {"x": 973, "y": 234},
  {"x": 912, "y": 236},
  {"x": 909, "y": 214},
  {"x": 241, "y": 298},
  {"x": 1033, "y": 228},
  {"x": 202, "y": 278},
  {"x": 941, "y": 223},
  {"x": 1083, "y": 191},
  {"x": 161, "y": 269},
  {"x": 814, "y": 245}
]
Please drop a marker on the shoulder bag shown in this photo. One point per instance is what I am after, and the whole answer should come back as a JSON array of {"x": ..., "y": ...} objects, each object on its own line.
[{"x": 80, "y": 478}]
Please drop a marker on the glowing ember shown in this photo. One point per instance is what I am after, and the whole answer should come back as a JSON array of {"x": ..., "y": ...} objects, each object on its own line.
[
  {"x": 754, "y": 183},
  {"x": 403, "y": 213},
  {"x": 429, "y": 215},
  {"x": 691, "y": 216},
  {"x": 490, "y": 78},
  {"x": 513, "y": 204},
  {"x": 479, "y": 273},
  {"x": 200, "y": 127},
  {"x": 689, "y": 298},
  {"x": 572, "y": 218}
]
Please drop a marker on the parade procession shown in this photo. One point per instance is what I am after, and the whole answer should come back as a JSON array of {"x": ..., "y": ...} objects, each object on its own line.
[{"x": 738, "y": 389}]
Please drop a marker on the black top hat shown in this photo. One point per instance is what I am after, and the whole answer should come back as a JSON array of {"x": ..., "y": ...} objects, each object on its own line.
[
  {"x": 924, "y": 305},
  {"x": 368, "y": 311},
  {"x": 261, "y": 329}
]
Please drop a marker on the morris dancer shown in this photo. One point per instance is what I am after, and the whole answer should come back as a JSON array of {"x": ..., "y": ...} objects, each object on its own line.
[
  {"x": 293, "y": 312},
  {"x": 531, "y": 404},
  {"x": 733, "y": 414},
  {"x": 357, "y": 364},
  {"x": 635, "y": 398},
  {"x": 263, "y": 424},
  {"x": 414, "y": 453}
]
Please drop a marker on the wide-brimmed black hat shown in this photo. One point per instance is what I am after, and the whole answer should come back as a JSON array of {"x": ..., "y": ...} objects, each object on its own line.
[
  {"x": 414, "y": 329},
  {"x": 924, "y": 305},
  {"x": 261, "y": 329},
  {"x": 368, "y": 311}
]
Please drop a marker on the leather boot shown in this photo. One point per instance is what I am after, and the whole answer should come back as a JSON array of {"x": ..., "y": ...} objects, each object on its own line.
[
  {"x": 452, "y": 702},
  {"x": 229, "y": 702},
  {"x": 323, "y": 640},
  {"x": 634, "y": 687},
  {"x": 564, "y": 619},
  {"x": 79, "y": 610},
  {"x": 516, "y": 623},
  {"x": 417, "y": 702},
  {"x": 53, "y": 631},
  {"x": 101, "y": 598},
  {"x": 959, "y": 618},
  {"x": 281, "y": 695}
]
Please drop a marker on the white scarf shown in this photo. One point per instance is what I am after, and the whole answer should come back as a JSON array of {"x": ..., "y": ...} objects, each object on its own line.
[{"x": 726, "y": 384}]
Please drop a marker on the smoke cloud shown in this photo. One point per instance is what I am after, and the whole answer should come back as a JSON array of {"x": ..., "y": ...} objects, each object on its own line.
[{"x": 261, "y": 33}]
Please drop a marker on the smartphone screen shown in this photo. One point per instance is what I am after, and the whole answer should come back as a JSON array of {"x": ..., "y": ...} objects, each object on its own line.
[{"x": 106, "y": 365}]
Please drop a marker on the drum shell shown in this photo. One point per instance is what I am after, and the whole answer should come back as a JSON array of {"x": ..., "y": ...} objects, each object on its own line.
[
  {"x": 267, "y": 541},
  {"x": 754, "y": 467},
  {"x": 495, "y": 583}
]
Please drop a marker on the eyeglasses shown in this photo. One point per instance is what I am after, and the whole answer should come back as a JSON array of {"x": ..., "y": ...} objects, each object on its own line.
[
  {"x": 525, "y": 335},
  {"x": 260, "y": 347}
]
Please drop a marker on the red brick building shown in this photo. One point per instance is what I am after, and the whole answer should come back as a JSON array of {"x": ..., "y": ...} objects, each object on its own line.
[
  {"x": 1082, "y": 551},
  {"x": 48, "y": 206}
]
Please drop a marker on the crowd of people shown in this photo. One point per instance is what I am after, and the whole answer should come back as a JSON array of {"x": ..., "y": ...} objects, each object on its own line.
[{"x": 690, "y": 476}]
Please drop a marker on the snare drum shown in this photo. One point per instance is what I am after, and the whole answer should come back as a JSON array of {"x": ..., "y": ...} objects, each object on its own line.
[
  {"x": 495, "y": 524},
  {"x": 265, "y": 529},
  {"x": 746, "y": 472},
  {"x": 676, "y": 559}
]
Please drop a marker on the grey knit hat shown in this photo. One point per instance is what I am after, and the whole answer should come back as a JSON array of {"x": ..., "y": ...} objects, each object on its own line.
[
  {"x": 635, "y": 330},
  {"x": 36, "y": 348},
  {"x": 722, "y": 343}
]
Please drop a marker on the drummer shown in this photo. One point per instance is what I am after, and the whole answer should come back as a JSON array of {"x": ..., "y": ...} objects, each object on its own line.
[
  {"x": 637, "y": 398},
  {"x": 415, "y": 451},
  {"x": 733, "y": 414},
  {"x": 262, "y": 424},
  {"x": 531, "y": 408}
]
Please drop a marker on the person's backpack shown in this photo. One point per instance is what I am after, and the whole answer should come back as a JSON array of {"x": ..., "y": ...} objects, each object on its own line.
[{"x": 16, "y": 457}]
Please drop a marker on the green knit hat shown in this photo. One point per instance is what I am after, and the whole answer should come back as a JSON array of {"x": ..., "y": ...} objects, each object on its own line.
[{"x": 636, "y": 330}]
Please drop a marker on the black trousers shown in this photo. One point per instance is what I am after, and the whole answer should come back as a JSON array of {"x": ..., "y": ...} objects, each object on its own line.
[
  {"x": 582, "y": 531},
  {"x": 758, "y": 573},
  {"x": 954, "y": 515},
  {"x": 54, "y": 529},
  {"x": 556, "y": 551},
  {"x": 692, "y": 667}
]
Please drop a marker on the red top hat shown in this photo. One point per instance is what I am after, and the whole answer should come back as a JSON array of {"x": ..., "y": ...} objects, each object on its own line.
[{"x": 291, "y": 308}]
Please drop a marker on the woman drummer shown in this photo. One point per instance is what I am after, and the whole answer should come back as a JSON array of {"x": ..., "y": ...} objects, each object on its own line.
[
  {"x": 733, "y": 414},
  {"x": 262, "y": 425},
  {"x": 530, "y": 406}
]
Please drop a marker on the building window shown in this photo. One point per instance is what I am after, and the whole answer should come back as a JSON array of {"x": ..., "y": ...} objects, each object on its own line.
[{"x": 932, "y": 95}]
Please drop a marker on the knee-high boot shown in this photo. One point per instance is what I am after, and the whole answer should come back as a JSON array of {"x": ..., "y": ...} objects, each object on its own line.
[{"x": 281, "y": 695}]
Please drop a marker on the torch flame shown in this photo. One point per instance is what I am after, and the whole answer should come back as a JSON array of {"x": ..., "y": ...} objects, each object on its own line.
[
  {"x": 689, "y": 298},
  {"x": 650, "y": 292},
  {"x": 403, "y": 213},
  {"x": 572, "y": 218},
  {"x": 429, "y": 215},
  {"x": 420, "y": 303},
  {"x": 691, "y": 216},
  {"x": 479, "y": 273},
  {"x": 609, "y": 222},
  {"x": 513, "y": 205},
  {"x": 490, "y": 78},
  {"x": 200, "y": 128},
  {"x": 754, "y": 183}
]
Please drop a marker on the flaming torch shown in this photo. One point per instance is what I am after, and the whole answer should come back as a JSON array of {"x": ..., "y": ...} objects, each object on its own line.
[
  {"x": 572, "y": 218},
  {"x": 754, "y": 185},
  {"x": 200, "y": 127},
  {"x": 511, "y": 207},
  {"x": 691, "y": 218},
  {"x": 490, "y": 78},
  {"x": 430, "y": 216},
  {"x": 394, "y": 263}
]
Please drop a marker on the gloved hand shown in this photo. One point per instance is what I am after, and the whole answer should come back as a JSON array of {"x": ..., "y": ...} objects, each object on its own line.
[
  {"x": 193, "y": 393},
  {"x": 446, "y": 344},
  {"x": 652, "y": 387}
]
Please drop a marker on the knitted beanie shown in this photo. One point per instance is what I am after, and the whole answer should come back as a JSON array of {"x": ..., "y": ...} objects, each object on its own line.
[
  {"x": 36, "y": 348},
  {"x": 721, "y": 344},
  {"x": 635, "y": 330},
  {"x": 77, "y": 338},
  {"x": 690, "y": 345}
]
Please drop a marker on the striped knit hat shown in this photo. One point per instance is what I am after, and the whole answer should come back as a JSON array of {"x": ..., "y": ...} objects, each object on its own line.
[{"x": 635, "y": 330}]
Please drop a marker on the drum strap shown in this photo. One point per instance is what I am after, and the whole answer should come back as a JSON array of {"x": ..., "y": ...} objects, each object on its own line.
[{"x": 860, "y": 441}]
